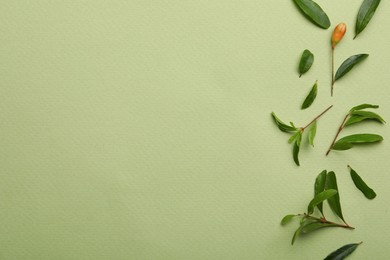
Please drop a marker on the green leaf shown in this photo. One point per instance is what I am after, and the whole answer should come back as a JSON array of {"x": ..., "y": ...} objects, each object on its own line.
[
  {"x": 366, "y": 11},
  {"x": 287, "y": 219},
  {"x": 342, "y": 252},
  {"x": 363, "y": 106},
  {"x": 312, "y": 133},
  {"x": 320, "y": 197},
  {"x": 293, "y": 137},
  {"x": 314, "y": 226},
  {"x": 282, "y": 126},
  {"x": 347, "y": 142},
  {"x": 358, "y": 116},
  {"x": 310, "y": 97},
  {"x": 334, "y": 201},
  {"x": 296, "y": 148},
  {"x": 361, "y": 185},
  {"x": 304, "y": 221},
  {"x": 348, "y": 64},
  {"x": 306, "y": 61},
  {"x": 314, "y": 13},
  {"x": 319, "y": 186}
]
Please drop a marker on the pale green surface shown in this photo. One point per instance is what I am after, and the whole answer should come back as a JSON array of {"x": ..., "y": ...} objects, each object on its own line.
[{"x": 142, "y": 129}]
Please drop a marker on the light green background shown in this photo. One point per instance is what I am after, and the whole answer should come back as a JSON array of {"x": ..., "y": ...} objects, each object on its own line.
[{"x": 142, "y": 129}]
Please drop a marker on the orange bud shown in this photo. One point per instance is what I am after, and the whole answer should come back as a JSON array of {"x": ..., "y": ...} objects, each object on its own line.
[{"x": 338, "y": 33}]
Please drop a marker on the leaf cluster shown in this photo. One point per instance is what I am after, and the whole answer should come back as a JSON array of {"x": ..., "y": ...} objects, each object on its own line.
[{"x": 325, "y": 189}]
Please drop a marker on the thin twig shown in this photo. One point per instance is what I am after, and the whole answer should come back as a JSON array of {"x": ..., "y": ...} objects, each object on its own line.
[
  {"x": 317, "y": 117},
  {"x": 338, "y": 132}
]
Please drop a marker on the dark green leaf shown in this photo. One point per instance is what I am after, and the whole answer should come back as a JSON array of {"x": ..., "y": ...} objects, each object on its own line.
[
  {"x": 305, "y": 62},
  {"x": 287, "y": 219},
  {"x": 282, "y": 126},
  {"x": 313, "y": 12},
  {"x": 319, "y": 198},
  {"x": 314, "y": 226},
  {"x": 342, "y": 252},
  {"x": 310, "y": 97},
  {"x": 312, "y": 133},
  {"x": 296, "y": 148},
  {"x": 361, "y": 185},
  {"x": 366, "y": 11},
  {"x": 358, "y": 116},
  {"x": 363, "y": 106},
  {"x": 334, "y": 201},
  {"x": 347, "y": 142},
  {"x": 319, "y": 186},
  {"x": 348, "y": 64}
]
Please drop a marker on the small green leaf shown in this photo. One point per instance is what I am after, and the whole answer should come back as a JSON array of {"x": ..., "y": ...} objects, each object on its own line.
[
  {"x": 304, "y": 221},
  {"x": 361, "y": 185},
  {"x": 366, "y": 12},
  {"x": 320, "y": 197},
  {"x": 342, "y": 252},
  {"x": 287, "y": 219},
  {"x": 348, "y": 64},
  {"x": 319, "y": 186},
  {"x": 293, "y": 137},
  {"x": 314, "y": 226},
  {"x": 334, "y": 201},
  {"x": 310, "y": 97},
  {"x": 296, "y": 148},
  {"x": 314, "y": 13},
  {"x": 306, "y": 61},
  {"x": 347, "y": 142},
  {"x": 363, "y": 106},
  {"x": 312, "y": 133},
  {"x": 282, "y": 126},
  {"x": 359, "y": 116}
]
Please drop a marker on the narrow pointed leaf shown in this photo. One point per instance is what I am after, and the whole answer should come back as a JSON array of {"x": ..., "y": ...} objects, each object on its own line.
[
  {"x": 303, "y": 222},
  {"x": 319, "y": 186},
  {"x": 320, "y": 197},
  {"x": 312, "y": 133},
  {"x": 361, "y": 185},
  {"x": 366, "y": 12},
  {"x": 314, "y": 13},
  {"x": 314, "y": 226},
  {"x": 306, "y": 61},
  {"x": 363, "y": 106},
  {"x": 282, "y": 126},
  {"x": 310, "y": 97},
  {"x": 342, "y": 252},
  {"x": 287, "y": 219},
  {"x": 348, "y": 64},
  {"x": 347, "y": 142},
  {"x": 359, "y": 116},
  {"x": 296, "y": 234},
  {"x": 334, "y": 201},
  {"x": 293, "y": 137},
  {"x": 296, "y": 148}
]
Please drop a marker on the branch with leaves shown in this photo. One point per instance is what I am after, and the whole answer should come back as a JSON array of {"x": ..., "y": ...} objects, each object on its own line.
[
  {"x": 325, "y": 189},
  {"x": 356, "y": 115},
  {"x": 297, "y": 132}
]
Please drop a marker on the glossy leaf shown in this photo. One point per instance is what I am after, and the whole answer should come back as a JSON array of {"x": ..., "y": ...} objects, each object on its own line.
[
  {"x": 319, "y": 186},
  {"x": 359, "y": 116},
  {"x": 366, "y": 12},
  {"x": 342, "y": 252},
  {"x": 319, "y": 198},
  {"x": 348, "y": 64},
  {"x": 296, "y": 148},
  {"x": 361, "y": 185},
  {"x": 287, "y": 219},
  {"x": 347, "y": 142},
  {"x": 334, "y": 201},
  {"x": 312, "y": 133},
  {"x": 310, "y": 97},
  {"x": 306, "y": 61},
  {"x": 314, "y": 13},
  {"x": 282, "y": 126},
  {"x": 363, "y": 106},
  {"x": 314, "y": 226}
]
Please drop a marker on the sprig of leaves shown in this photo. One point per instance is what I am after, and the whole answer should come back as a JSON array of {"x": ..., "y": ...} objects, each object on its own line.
[
  {"x": 342, "y": 252},
  {"x": 325, "y": 189},
  {"x": 313, "y": 12},
  {"x": 354, "y": 116},
  {"x": 366, "y": 12},
  {"x": 297, "y": 132}
]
